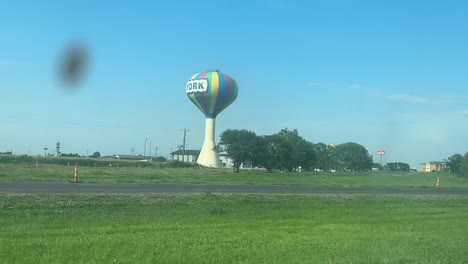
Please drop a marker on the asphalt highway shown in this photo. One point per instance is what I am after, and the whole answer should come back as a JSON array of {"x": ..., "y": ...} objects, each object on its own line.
[{"x": 45, "y": 187}]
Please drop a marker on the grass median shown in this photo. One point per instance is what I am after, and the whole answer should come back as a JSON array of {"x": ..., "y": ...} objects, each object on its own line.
[
  {"x": 232, "y": 228},
  {"x": 58, "y": 173}
]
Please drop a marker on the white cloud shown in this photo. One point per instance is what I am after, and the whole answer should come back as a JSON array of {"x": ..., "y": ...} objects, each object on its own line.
[{"x": 417, "y": 99}]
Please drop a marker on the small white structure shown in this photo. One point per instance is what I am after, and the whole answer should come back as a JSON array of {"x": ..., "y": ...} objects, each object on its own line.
[{"x": 226, "y": 162}]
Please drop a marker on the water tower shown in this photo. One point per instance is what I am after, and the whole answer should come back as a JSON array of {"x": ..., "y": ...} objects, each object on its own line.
[
  {"x": 211, "y": 92},
  {"x": 57, "y": 149}
]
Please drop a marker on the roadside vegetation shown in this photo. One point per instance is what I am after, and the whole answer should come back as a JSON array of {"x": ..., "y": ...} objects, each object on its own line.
[
  {"x": 288, "y": 151},
  {"x": 232, "y": 228},
  {"x": 25, "y": 160},
  {"x": 196, "y": 175}
]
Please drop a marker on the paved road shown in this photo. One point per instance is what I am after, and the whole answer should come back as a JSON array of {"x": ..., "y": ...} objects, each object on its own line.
[{"x": 44, "y": 187}]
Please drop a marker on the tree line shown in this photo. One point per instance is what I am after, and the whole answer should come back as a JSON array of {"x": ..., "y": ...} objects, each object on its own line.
[
  {"x": 458, "y": 164},
  {"x": 288, "y": 151},
  {"x": 89, "y": 162},
  {"x": 96, "y": 154}
]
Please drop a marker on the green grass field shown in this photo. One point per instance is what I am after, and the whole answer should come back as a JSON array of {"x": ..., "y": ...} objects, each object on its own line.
[
  {"x": 58, "y": 173},
  {"x": 247, "y": 228}
]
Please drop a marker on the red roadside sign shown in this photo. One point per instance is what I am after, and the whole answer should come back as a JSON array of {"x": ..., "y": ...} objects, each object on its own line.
[{"x": 381, "y": 152}]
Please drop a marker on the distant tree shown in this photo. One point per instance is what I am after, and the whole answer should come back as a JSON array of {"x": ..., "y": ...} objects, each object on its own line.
[
  {"x": 96, "y": 155},
  {"x": 323, "y": 154},
  {"x": 397, "y": 166},
  {"x": 454, "y": 163},
  {"x": 240, "y": 145},
  {"x": 6, "y": 153},
  {"x": 352, "y": 156},
  {"x": 306, "y": 157},
  {"x": 267, "y": 152},
  {"x": 70, "y": 155},
  {"x": 463, "y": 172},
  {"x": 160, "y": 159},
  {"x": 377, "y": 165},
  {"x": 295, "y": 151},
  {"x": 285, "y": 150}
]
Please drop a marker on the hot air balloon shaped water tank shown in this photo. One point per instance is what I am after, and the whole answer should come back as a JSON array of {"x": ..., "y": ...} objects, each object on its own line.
[{"x": 211, "y": 92}]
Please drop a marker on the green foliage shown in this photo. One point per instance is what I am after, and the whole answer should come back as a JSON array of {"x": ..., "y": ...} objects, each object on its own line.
[
  {"x": 464, "y": 166},
  {"x": 266, "y": 156},
  {"x": 240, "y": 145},
  {"x": 458, "y": 164},
  {"x": 179, "y": 164},
  {"x": 397, "y": 166},
  {"x": 160, "y": 159},
  {"x": 232, "y": 228},
  {"x": 377, "y": 165},
  {"x": 288, "y": 151},
  {"x": 301, "y": 152},
  {"x": 96, "y": 155},
  {"x": 282, "y": 152},
  {"x": 177, "y": 172},
  {"x": 89, "y": 162},
  {"x": 13, "y": 159},
  {"x": 70, "y": 155},
  {"x": 324, "y": 158},
  {"x": 352, "y": 156},
  {"x": 285, "y": 151},
  {"x": 454, "y": 163}
]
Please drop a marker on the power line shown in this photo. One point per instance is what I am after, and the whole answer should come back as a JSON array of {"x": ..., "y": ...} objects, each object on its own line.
[{"x": 75, "y": 123}]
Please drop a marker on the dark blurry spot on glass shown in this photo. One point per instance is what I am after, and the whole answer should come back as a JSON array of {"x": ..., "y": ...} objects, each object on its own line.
[{"x": 73, "y": 65}]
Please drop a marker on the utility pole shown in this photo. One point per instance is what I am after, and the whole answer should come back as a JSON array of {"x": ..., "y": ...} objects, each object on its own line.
[
  {"x": 133, "y": 153},
  {"x": 150, "y": 149},
  {"x": 144, "y": 151},
  {"x": 156, "y": 152},
  {"x": 183, "y": 144}
]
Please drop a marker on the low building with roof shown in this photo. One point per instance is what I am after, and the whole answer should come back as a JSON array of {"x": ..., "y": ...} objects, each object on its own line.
[{"x": 189, "y": 155}]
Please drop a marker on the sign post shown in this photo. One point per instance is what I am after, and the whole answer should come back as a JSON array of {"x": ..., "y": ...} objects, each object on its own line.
[
  {"x": 76, "y": 173},
  {"x": 381, "y": 152},
  {"x": 437, "y": 183}
]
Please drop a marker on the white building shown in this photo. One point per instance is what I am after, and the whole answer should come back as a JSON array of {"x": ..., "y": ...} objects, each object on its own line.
[
  {"x": 227, "y": 162},
  {"x": 190, "y": 155}
]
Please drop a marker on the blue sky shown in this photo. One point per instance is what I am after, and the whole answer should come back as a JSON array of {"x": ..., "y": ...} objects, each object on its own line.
[{"x": 384, "y": 74}]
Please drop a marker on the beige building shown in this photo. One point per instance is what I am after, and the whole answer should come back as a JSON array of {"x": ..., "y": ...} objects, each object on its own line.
[{"x": 434, "y": 166}]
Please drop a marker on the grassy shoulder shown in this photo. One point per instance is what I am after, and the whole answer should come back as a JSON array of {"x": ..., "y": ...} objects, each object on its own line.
[
  {"x": 232, "y": 228},
  {"x": 59, "y": 173}
]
